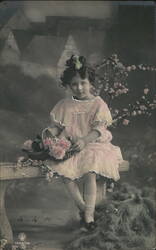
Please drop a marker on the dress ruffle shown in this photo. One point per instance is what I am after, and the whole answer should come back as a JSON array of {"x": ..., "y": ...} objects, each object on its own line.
[{"x": 103, "y": 159}]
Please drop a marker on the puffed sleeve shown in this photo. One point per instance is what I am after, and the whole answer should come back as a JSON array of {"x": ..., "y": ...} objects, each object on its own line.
[{"x": 101, "y": 120}]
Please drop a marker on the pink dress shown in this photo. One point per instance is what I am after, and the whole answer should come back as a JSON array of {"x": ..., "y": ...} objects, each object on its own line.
[{"x": 78, "y": 118}]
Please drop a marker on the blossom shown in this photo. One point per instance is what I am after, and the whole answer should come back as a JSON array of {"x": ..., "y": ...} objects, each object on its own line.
[
  {"x": 20, "y": 160},
  {"x": 3, "y": 242},
  {"x": 146, "y": 90},
  {"x": 152, "y": 105},
  {"x": 133, "y": 67},
  {"x": 22, "y": 236},
  {"x": 27, "y": 145},
  {"x": 116, "y": 111},
  {"x": 119, "y": 91},
  {"x": 125, "y": 90},
  {"x": 114, "y": 56},
  {"x": 129, "y": 68},
  {"x": 134, "y": 113},
  {"x": 125, "y": 122},
  {"x": 120, "y": 65},
  {"x": 111, "y": 90},
  {"x": 143, "y": 107},
  {"x": 116, "y": 84},
  {"x": 140, "y": 66},
  {"x": 35, "y": 163},
  {"x": 49, "y": 176}
]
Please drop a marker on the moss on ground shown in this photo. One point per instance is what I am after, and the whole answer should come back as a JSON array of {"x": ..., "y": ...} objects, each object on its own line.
[{"x": 125, "y": 221}]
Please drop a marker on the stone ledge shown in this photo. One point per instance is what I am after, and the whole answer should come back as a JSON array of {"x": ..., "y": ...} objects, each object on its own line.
[{"x": 9, "y": 171}]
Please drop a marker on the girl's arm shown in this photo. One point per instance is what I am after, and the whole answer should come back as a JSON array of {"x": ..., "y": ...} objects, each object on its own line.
[
  {"x": 92, "y": 136},
  {"x": 80, "y": 143}
]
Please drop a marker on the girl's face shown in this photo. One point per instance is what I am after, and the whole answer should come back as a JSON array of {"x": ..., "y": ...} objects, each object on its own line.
[{"x": 80, "y": 87}]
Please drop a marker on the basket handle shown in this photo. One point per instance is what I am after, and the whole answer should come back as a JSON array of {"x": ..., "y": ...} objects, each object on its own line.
[{"x": 43, "y": 134}]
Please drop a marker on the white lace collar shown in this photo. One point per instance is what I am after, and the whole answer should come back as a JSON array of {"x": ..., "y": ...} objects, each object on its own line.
[{"x": 89, "y": 100}]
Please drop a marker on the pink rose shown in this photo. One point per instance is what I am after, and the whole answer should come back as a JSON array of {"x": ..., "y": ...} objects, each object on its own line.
[
  {"x": 47, "y": 142},
  {"x": 27, "y": 145},
  {"x": 57, "y": 152},
  {"x": 64, "y": 143}
]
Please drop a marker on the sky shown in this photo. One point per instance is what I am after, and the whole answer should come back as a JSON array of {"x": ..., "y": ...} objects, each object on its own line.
[
  {"x": 93, "y": 9},
  {"x": 37, "y": 10}
]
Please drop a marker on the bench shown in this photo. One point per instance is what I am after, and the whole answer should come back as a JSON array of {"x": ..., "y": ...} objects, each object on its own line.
[{"x": 10, "y": 171}]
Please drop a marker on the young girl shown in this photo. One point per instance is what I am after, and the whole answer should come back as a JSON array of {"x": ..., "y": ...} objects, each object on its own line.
[{"x": 84, "y": 118}]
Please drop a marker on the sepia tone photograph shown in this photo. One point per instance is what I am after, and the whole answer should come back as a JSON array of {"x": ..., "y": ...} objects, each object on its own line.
[{"x": 77, "y": 125}]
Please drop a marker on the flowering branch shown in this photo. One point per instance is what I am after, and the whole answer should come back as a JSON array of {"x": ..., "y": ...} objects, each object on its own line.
[{"x": 112, "y": 77}]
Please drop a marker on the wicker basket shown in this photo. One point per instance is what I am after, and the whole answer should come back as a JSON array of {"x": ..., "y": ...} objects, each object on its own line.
[{"x": 43, "y": 154}]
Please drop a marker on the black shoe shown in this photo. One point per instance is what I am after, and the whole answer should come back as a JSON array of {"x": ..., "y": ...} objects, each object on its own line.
[
  {"x": 88, "y": 227},
  {"x": 91, "y": 226}
]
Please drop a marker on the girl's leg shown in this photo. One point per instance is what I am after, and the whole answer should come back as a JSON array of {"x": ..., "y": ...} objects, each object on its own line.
[
  {"x": 90, "y": 196},
  {"x": 73, "y": 189}
]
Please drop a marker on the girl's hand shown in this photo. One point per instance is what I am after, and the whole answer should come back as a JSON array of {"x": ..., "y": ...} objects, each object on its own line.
[{"x": 78, "y": 144}]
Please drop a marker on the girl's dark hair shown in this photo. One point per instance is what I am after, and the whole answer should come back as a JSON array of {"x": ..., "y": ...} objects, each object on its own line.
[{"x": 77, "y": 65}]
